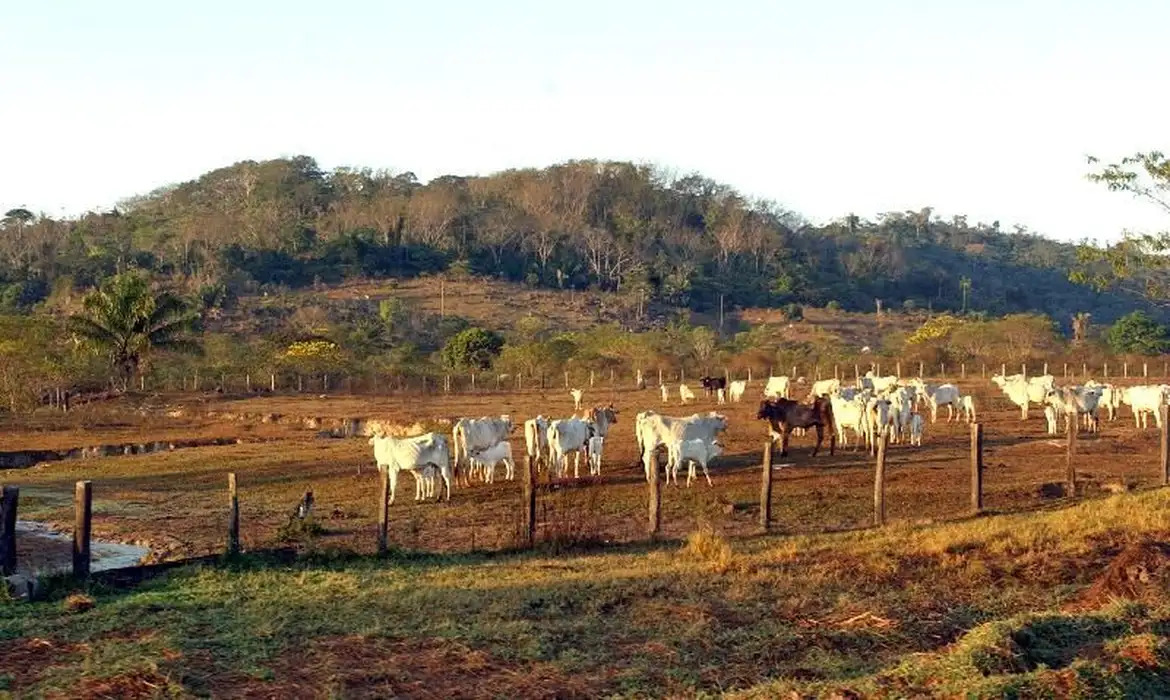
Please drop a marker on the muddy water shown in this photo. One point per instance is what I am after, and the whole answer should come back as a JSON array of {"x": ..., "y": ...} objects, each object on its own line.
[{"x": 41, "y": 550}]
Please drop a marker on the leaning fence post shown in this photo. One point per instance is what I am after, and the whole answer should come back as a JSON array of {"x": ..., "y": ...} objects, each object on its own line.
[
  {"x": 1164, "y": 414},
  {"x": 383, "y": 506},
  {"x": 8, "y": 501},
  {"x": 233, "y": 543},
  {"x": 1071, "y": 487},
  {"x": 529, "y": 506},
  {"x": 976, "y": 468},
  {"x": 82, "y": 522},
  {"x": 879, "y": 483},
  {"x": 655, "y": 523},
  {"x": 766, "y": 489}
]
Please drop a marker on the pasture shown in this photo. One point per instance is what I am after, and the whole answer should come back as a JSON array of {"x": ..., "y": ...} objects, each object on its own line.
[
  {"x": 175, "y": 501},
  {"x": 821, "y": 603}
]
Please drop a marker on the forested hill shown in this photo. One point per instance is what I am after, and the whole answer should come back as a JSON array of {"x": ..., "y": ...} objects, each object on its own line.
[{"x": 652, "y": 238}]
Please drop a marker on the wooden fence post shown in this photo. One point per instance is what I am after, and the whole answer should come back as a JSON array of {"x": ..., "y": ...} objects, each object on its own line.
[
  {"x": 1105, "y": 371},
  {"x": 879, "y": 484},
  {"x": 82, "y": 527},
  {"x": 611, "y": 376},
  {"x": 898, "y": 369},
  {"x": 856, "y": 373},
  {"x": 836, "y": 371},
  {"x": 1145, "y": 370},
  {"x": 1024, "y": 369},
  {"x": 749, "y": 375},
  {"x": 528, "y": 489},
  {"x": 383, "y": 506},
  {"x": 1003, "y": 370},
  {"x": 1125, "y": 370},
  {"x": 942, "y": 369},
  {"x": 659, "y": 376},
  {"x": 766, "y": 489},
  {"x": 1066, "y": 370},
  {"x": 8, "y": 499},
  {"x": 655, "y": 524},
  {"x": 983, "y": 370},
  {"x": 566, "y": 379},
  {"x": 272, "y": 382},
  {"x": 1071, "y": 486},
  {"x": 233, "y": 543},
  {"x": 1164, "y": 457},
  {"x": 921, "y": 368},
  {"x": 590, "y": 379},
  {"x": 1084, "y": 370},
  {"x": 1045, "y": 369},
  {"x": 976, "y": 468},
  {"x": 962, "y": 370}
]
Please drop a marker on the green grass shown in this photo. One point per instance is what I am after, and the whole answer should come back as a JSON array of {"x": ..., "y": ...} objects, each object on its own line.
[{"x": 971, "y": 607}]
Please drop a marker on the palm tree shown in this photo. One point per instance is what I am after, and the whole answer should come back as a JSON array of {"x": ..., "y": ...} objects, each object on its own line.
[{"x": 127, "y": 320}]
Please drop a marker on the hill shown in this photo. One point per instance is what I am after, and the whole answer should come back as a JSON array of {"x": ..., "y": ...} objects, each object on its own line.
[{"x": 648, "y": 239}]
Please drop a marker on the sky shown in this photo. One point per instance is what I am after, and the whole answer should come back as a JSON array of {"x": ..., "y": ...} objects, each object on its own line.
[{"x": 986, "y": 108}]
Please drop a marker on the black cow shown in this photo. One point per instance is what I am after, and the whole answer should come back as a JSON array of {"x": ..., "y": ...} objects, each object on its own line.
[
  {"x": 784, "y": 415},
  {"x": 713, "y": 384}
]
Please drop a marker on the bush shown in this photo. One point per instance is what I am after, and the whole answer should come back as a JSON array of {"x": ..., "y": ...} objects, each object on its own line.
[
  {"x": 1138, "y": 333},
  {"x": 473, "y": 348},
  {"x": 793, "y": 312},
  {"x": 833, "y": 305}
]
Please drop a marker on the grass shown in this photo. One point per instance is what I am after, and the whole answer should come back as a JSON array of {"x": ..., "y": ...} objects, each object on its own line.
[{"x": 972, "y": 607}]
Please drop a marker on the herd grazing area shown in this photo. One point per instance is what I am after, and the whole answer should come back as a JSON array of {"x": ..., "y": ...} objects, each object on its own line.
[{"x": 1042, "y": 596}]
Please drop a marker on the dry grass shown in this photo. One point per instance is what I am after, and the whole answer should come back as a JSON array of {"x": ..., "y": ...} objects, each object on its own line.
[{"x": 708, "y": 547}]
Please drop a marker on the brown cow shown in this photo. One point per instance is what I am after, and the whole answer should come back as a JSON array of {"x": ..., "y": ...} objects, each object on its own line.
[{"x": 784, "y": 415}]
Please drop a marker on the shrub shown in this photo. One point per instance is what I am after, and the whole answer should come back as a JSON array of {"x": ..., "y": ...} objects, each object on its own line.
[
  {"x": 473, "y": 348},
  {"x": 833, "y": 305},
  {"x": 1138, "y": 333}
]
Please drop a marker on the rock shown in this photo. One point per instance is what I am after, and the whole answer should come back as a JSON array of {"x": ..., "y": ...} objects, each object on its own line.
[{"x": 22, "y": 587}]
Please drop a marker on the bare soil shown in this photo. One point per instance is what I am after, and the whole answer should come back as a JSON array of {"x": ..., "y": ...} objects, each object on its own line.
[{"x": 176, "y": 502}]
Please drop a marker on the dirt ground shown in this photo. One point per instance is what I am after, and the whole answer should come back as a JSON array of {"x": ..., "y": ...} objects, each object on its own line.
[{"x": 176, "y": 502}]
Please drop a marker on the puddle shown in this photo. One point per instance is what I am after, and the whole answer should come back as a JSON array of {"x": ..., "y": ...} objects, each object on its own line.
[{"x": 41, "y": 550}]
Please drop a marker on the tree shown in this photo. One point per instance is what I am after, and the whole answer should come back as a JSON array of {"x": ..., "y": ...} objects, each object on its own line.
[
  {"x": 1138, "y": 333},
  {"x": 1080, "y": 327},
  {"x": 472, "y": 348},
  {"x": 1138, "y": 262},
  {"x": 965, "y": 287},
  {"x": 128, "y": 320}
]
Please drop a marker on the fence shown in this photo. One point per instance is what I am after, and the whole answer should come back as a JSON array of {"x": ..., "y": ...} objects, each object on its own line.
[
  {"x": 487, "y": 382},
  {"x": 83, "y": 498}
]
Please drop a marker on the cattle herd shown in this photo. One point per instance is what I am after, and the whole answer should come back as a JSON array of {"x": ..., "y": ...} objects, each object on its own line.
[{"x": 874, "y": 409}]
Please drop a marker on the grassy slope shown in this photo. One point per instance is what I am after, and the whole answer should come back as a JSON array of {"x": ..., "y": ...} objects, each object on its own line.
[{"x": 972, "y": 606}]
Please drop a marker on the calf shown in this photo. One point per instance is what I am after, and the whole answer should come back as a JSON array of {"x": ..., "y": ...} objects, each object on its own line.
[
  {"x": 736, "y": 389},
  {"x": 1050, "y": 418},
  {"x": 576, "y": 394},
  {"x": 665, "y": 393},
  {"x": 487, "y": 459},
  {"x": 969, "y": 408},
  {"x": 476, "y": 434},
  {"x": 685, "y": 395},
  {"x": 653, "y": 431},
  {"x": 698, "y": 451},
  {"x": 916, "y": 425},
  {"x": 776, "y": 388},
  {"x": 596, "y": 447}
]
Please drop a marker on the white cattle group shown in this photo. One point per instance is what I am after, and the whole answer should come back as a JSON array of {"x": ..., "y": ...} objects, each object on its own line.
[{"x": 870, "y": 409}]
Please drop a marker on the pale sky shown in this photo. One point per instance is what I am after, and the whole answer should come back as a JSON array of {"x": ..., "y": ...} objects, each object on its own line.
[{"x": 984, "y": 108}]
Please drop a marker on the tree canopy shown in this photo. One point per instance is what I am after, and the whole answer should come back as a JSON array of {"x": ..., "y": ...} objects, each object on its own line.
[{"x": 658, "y": 239}]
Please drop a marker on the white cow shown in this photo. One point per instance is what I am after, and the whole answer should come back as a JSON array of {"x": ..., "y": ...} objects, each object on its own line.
[
  {"x": 565, "y": 436},
  {"x": 477, "y": 434},
  {"x": 654, "y": 430},
  {"x": 1050, "y": 418},
  {"x": 1145, "y": 400},
  {"x": 720, "y": 396},
  {"x": 777, "y": 388},
  {"x": 692, "y": 452},
  {"x": 945, "y": 394},
  {"x": 850, "y": 413},
  {"x": 487, "y": 459},
  {"x": 826, "y": 387},
  {"x": 969, "y": 408},
  {"x": 665, "y": 393},
  {"x": 685, "y": 395},
  {"x": 576, "y": 394},
  {"x": 901, "y": 406},
  {"x": 414, "y": 454},
  {"x": 1021, "y": 390},
  {"x": 736, "y": 389},
  {"x": 878, "y": 384},
  {"x": 1110, "y": 398},
  {"x": 877, "y": 421},
  {"x": 916, "y": 426},
  {"x": 536, "y": 438},
  {"x": 596, "y": 447}
]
